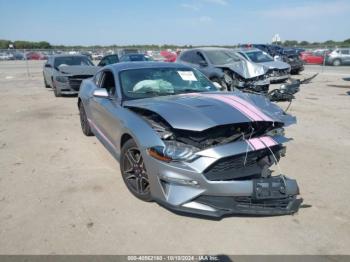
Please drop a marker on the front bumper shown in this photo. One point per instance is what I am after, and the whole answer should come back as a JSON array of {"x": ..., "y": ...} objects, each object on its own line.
[
  {"x": 185, "y": 187},
  {"x": 65, "y": 88}
]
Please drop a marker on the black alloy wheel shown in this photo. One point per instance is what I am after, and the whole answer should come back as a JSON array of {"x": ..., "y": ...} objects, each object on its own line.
[{"x": 134, "y": 171}]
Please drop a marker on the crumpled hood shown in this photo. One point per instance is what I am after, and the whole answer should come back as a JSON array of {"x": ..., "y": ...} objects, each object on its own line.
[
  {"x": 276, "y": 65},
  {"x": 246, "y": 69},
  {"x": 78, "y": 70},
  {"x": 200, "y": 111}
]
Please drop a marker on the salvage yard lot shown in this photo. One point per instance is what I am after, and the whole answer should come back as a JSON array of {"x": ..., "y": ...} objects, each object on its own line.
[{"x": 62, "y": 192}]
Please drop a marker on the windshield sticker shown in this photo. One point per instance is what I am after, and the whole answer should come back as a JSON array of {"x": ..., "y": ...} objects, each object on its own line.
[{"x": 187, "y": 75}]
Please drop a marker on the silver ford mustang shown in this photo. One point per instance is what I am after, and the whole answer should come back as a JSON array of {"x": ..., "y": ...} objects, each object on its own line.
[{"x": 187, "y": 146}]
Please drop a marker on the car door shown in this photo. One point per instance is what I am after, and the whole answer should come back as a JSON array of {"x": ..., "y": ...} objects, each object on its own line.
[
  {"x": 345, "y": 56},
  {"x": 106, "y": 112}
]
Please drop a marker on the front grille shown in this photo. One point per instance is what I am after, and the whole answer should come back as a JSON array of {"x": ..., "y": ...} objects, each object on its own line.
[
  {"x": 279, "y": 72},
  {"x": 75, "y": 81},
  {"x": 240, "y": 166},
  {"x": 227, "y": 202}
]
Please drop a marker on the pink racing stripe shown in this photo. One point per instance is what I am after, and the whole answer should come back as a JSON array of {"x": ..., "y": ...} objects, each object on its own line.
[
  {"x": 101, "y": 133},
  {"x": 268, "y": 141},
  {"x": 244, "y": 110},
  {"x": 250, "y": 107},
  {"x": 256, "y": 143}
]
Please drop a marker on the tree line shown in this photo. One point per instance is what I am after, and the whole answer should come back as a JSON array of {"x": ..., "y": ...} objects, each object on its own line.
[{"x": 5, "y": 44}]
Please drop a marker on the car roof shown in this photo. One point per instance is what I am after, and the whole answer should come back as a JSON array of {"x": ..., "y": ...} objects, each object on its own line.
[
  {"x": 208, "y": 48},
  {"x": 247, "y": 50},
  {"x": 68, "y": 55},
  {"x": 144, "y": 64}
]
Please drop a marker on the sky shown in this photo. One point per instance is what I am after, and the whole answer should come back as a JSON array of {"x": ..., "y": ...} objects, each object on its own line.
[{"x": 192, "y": 22}]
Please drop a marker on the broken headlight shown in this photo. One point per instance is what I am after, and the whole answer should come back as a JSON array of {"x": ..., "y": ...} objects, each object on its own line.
[
  {"x": 173, "y": 151},
  {"x": 276, "y": 132}
]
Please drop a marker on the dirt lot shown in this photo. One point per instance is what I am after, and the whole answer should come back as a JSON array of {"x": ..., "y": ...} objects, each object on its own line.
[{"x": 62, "y": 193}]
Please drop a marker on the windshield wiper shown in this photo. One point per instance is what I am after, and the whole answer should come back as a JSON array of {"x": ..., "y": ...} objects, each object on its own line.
[
  {"x": 189, "y": 90},
  {"x": 151, "y": 92}
]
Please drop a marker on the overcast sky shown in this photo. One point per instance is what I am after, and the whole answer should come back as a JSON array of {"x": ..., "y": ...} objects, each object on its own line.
[{"x": 196, "y": 22}]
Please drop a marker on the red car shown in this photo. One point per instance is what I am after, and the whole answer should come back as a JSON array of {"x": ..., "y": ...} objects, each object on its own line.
[
  {"x": 312, "y": 57},
  {"x": 168, "y": 56},
  {"x": 35, "y": 56}
]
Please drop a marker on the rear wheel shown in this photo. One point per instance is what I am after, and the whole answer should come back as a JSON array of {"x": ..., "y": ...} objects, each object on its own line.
[
  {"x": 134, "y": 171},
  {"x": 85, "y": 125},
  {"x": 337, "y": 62}
]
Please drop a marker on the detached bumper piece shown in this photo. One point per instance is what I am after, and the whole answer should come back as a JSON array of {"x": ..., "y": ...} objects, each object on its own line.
[{"x": 271, "y": 197}]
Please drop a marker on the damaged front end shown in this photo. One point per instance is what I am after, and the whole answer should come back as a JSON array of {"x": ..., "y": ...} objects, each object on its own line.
[
  {"x": 222, "y": 168},
  {"x": 245, "y": 75}
]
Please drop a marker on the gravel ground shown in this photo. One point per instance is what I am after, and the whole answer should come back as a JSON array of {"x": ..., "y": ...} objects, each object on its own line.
[{"x": 62, "y": 192}]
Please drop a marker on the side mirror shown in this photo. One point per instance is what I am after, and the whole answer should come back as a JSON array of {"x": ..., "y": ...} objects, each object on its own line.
[
  {"x": 203, "y": 63},
  {"x": 48, "y": 65},
  {"x": 100, "y": 92},
  {"x": 101, "y": 64}
]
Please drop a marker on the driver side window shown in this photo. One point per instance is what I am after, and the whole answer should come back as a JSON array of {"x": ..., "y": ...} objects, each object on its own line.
[
  {"x": 197, "y": 58},
  {"x": 107, "y": 82}
]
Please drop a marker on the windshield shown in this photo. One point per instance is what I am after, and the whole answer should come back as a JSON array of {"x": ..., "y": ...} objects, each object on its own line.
[
  {"x": 221, "y": 57},
  {"x": 259, "y": 57},
  {"x": 72, "y": 61},
  {"x": 149, "y": 82}
]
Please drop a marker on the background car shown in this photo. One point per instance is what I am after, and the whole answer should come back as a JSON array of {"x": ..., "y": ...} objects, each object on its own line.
[
  {"x": 226, "y": 68},
  {"x": 287, "y": 55},
  {"x": 339, "y": 56},
  {"x": 134, "y": 57},
  {"x": 109, "y": 59},
  {"x": 168, "y": 56},
  {"x": 185, "y": 145},
  {"x": 278, "y": 71},
  {"x": 6, "y": 56},
  {"x": 64, "y": 73},
  {"x": 35, "y": 56},
  {"x": 312, "y": 57}
]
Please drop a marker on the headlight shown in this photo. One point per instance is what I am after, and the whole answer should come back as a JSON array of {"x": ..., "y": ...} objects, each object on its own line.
[
  {"x": 173, "y": 151},
  {"x": 276, "y": 132},
  {"x": 62, "y": 79}
]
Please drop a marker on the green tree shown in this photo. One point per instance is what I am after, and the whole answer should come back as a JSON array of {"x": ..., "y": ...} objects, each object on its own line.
[{"x": 4, "y": 44}]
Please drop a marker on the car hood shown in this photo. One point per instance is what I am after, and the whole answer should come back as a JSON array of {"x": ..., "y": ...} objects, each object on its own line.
[
  {"x": 276, "y": 65},
  {"x": 78, "y": 70},
  {"x": 246, "y": 69},
  {"x": 201, "y": 111}
]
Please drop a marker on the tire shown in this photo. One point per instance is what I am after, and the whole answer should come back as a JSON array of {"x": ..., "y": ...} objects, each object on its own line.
[
  {"x": 45, "y": 83},
  {"x": 55, "y": 91},
  {"x": 134, "y": 172},
  {"x": 336, "y": 62},
  {"x": 85, "y": 125}
]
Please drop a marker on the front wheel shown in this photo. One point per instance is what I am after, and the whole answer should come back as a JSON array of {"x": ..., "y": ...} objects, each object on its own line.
[
  {"x": 134, "y": 171},
  {"x": 45, "y": 83},
  {"x": 85, "y": 125},
  {"x": 336, "y": 62},
  {"x": 56, "y": 91}
]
